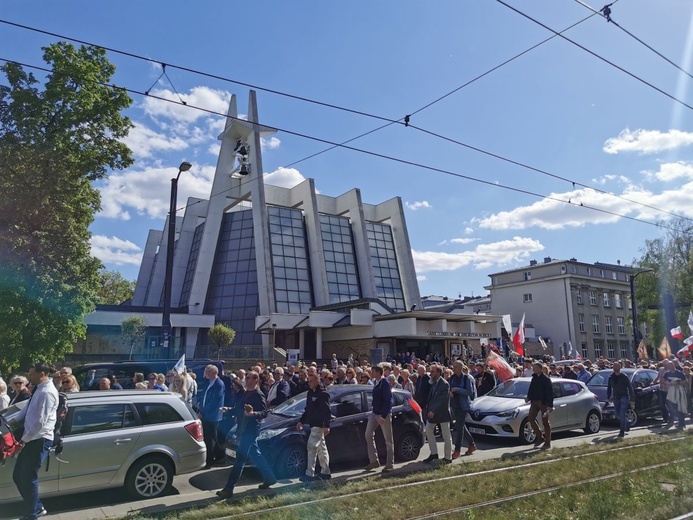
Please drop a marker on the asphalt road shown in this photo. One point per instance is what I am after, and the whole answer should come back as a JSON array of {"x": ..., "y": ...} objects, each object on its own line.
[{"x": 198, "y": 489}]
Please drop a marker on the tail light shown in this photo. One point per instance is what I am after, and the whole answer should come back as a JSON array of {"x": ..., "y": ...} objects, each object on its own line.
[
  {"x": 596, "y": 397},
  {"x": 195, "y": 430},
  {"x": 414, "y": 405}
]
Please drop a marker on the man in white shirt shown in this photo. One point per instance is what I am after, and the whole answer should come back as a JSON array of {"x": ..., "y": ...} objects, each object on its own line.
[{"x": 39, "y": 421}]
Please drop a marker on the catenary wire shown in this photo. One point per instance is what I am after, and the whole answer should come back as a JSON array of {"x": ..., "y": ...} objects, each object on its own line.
[
  {"x": 389, "y": 122},
  {"x": 611, "y": 20},
  {"x": 366, "y": 152},
  {"x": 598, "y": 56}
]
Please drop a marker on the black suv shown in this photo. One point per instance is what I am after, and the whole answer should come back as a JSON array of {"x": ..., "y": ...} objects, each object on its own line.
[
  {"x": 646, "y": 394},
  {"x": 285, "y": 447}
]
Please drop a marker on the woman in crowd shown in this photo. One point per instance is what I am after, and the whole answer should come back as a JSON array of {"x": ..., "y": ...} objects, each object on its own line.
[
  {"x": 21, "y": 392},
  {"x": 178, "y": 384},
  {"x": 69, "y": 384},
  {"x": 4, "y": 398},
  {"x": 161, "y": 381}
]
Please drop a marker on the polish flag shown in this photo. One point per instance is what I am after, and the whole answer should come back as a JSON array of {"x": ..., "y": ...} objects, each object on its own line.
[
  {"x": 519, "y": 337},
  {"x": 676, "y": 333}
]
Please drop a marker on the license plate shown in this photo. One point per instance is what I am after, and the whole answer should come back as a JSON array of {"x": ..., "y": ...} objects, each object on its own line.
[
  {"x": 480, "y": 431},
  {"x": 230, "y": 453}
]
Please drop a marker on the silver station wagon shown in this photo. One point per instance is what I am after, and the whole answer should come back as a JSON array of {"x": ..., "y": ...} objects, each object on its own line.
[
  {"x": 503, "y": 411},
  {"x": 133, "y": 438}
]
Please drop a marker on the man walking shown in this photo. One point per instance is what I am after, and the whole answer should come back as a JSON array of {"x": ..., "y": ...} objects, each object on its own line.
[
  {"x": 39, "y": 421},
  {"x": 317, "y": 415},
  {"x": 280, "y": 391},
  {"x": 540, "y": 395},
  {"x": 380, "y": 417},
  {"x": 210, "y": 412},
  {"x": 254, "y": 411},
  {"x": 619, "y": 385},
  {"x": 438, "y": 412},
  {"x": 662, "y": 394},
  {"x": 462, "y": 392}
]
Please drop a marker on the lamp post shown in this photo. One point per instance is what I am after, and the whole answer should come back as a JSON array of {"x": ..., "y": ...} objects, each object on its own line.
[
  {"x": 168, "y": 277},
  {"x": 634, "y": 310}
]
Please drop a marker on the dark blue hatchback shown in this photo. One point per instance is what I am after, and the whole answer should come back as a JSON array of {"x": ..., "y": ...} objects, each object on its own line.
[{"x": 285, "y": 447}]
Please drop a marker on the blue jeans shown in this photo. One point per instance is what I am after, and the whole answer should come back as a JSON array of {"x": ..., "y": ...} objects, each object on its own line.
[
  {"x": 25, "y": 475},
  {"x": 247, "y": 449},
  {"x": 620, "y": 406}
]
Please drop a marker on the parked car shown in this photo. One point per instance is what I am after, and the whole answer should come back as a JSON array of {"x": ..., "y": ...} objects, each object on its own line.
[
  {"x": 646, "y": 394},
  {"x": 89, "y": 375},
  {"x": 132, "y": 438},
  {"x": 503, "y": 412},
  {"x": 285, "y": 447}
]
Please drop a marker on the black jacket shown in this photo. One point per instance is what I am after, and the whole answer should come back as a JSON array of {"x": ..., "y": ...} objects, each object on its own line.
[
  {"x": 423, "y": 388},
  {"x": 250, "y": 425},
  {"x": 540, "y": 389},
  {"x": 301, "y": 386},
  {"x": 620, "y": 386},
  {"x": 317, "y": 412}
]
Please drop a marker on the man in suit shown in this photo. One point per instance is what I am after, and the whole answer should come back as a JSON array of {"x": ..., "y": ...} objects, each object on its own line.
[
  {"x": 209, "y": 412},
  {"x": 280, "y": 391},
  {"x": 423, "y": 386},
  {"x": 438, "y": 412}
]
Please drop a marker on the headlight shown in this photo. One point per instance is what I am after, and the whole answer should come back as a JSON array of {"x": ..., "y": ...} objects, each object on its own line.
[
  {"x": 268, "y": 434},
  {"x": 509, "y": 413}
]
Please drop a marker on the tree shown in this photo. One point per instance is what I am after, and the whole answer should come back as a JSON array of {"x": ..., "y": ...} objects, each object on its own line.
[
  {"x": 222, "y": 336},
  {"x": 55, "y": 140},
  {"x": 671, "y": 256},
  {"x": 114, "y": 289},
  {"x": 132, "y": 329}
]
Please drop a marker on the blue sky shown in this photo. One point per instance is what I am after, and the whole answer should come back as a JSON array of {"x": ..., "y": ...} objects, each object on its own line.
[{"x": 557, "y": 108}]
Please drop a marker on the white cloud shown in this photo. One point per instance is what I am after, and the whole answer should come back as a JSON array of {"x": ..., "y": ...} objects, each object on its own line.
[
  {"x": 417, "y": 205},
  {"x": 269, "y": 144},
  {"x": 673, "y": 171},
  {"x": 647, "y": 141},
  {"x": 202, "y": 97},
  {"x": 113, "y": 250},
  {"x": 147, "y": 190},
  {"x": 143, "y": 141},
  {"x": 284, "y": 177},
  {"x": 421, "y": 278},
  {"x": 609, "y": 178},
  {"x": 458, "y": 241},
  {"x": 482, "y": 257},
  {"x": 468, "y": 231},
  {"x": 214, "y": 149}
]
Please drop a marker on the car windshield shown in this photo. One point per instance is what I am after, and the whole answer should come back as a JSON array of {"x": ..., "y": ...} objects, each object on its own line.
[
  {"x": 601, "y": 378},
  {"x": 293, "y": 407},
  {"x": 512, "y": 388}
]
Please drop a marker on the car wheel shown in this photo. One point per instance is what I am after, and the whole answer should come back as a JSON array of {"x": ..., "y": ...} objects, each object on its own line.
[
  {"x": 292, "y": 462},
  {"x": 593, "y": 423},
  {"x": 408, "y": 447},
  {"x": 526, "y": 432},
  {"x": 149, "y": 477},
  {"x": 631, "y": 417}
]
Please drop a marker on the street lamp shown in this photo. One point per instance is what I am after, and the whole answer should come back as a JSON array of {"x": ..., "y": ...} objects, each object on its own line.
[
  {"x": 636, "y": 329},
  {"x": 168, "y": 277}
]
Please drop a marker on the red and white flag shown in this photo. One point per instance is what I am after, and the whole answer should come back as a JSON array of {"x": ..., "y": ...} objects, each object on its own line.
[
  {"x": 677, "y": 333},
  {"x": 519, "y": 337},
  {"x": 500, "y": 366}
]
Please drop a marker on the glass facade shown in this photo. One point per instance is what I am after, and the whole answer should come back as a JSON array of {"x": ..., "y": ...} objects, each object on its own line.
[
  {"x": 384, "y": 260},
  {"x": 192, "y": 264},
  {"x": 233, "y": 289},
  {"x": 340, "y": 259},
  {"x": 292, "y": 291}
]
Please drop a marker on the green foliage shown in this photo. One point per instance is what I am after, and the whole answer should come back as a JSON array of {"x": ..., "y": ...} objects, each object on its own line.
[
  {"x": 132, "y": 330},
  {"x": 671, "y": 256},
  {"x": 113, "y": 288},
  {"x": 55, "y": 139},
  {"x": 221, "y": 335}
]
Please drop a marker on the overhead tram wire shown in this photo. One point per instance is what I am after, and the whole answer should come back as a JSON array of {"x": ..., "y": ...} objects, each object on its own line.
[
  {"x": 362, "y": 151},
  {"x": 598, "y": 56},
  {"x": 388, "y": 121},
  {"x": 611, "y": 20}
]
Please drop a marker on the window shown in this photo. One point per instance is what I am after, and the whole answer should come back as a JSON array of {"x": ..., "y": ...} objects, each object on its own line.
[
  {"x": 589, "y": 271},
  {"x": 610, "y": 350},
  {"x": 581, "y": 322},
  {"x": 101, "y": 417},
  {"x": 157, "y": 413},
  {"x": 340, "y": 259},
  {"x": 593, "y": 297},
  {"x": 608, "y": 326},
  {"x": 528, "y": 276},
  {"x": 570, "y": 389},
  {"x": 350, "y": 404},
  {"x": 595, "y": 323},
  {"x": 642, "y": 380},
  {"x": 574, "y": 269},
  {"x": 563, "y": 269},
  {"x": 583, "y": 347},
  {"x": 602, "y": 274},
  {"x": 597, "y": 349},
  {"x": 388, "y": 284},
  {"x": 618, "y": 300},
  {"x": 605, "y": 298},
  {"x": 624, "y": 349},
  {"x": 578, "y": 296},
  {"x": 614, "y": 276},
  {"x": 527, "y": 297},
  {"x": 621, "y": 325}
]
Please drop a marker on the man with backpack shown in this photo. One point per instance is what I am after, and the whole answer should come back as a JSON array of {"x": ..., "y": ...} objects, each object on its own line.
[{"x": 39, "y": 422}]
